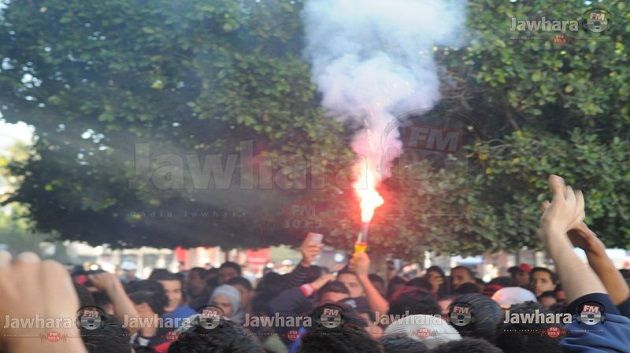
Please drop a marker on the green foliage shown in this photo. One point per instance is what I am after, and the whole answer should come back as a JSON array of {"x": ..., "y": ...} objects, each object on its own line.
[{"x": 193, "y": 79}]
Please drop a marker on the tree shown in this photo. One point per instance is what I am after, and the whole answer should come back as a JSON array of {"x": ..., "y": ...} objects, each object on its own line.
[{"x": 146, "y": 112}]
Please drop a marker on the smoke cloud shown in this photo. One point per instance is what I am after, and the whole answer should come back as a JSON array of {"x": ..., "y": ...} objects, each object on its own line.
[{"x": 373, "y": 58}]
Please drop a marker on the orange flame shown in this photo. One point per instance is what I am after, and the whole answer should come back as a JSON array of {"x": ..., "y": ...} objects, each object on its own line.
[{"x": 365, "y": 187}]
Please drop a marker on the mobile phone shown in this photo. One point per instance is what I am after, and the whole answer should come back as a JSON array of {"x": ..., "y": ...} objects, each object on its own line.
[{"x": 314, "y": 238}]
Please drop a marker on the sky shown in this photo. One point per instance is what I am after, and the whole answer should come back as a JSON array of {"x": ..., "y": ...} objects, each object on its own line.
[{"x": 12, "y": 133}]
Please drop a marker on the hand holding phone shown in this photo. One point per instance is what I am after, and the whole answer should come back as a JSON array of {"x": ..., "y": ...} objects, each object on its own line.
[{"x": 311, "y": 248}]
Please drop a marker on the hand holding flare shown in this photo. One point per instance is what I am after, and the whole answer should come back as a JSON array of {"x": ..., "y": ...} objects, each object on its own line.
[{"x": 369, "y": 198}]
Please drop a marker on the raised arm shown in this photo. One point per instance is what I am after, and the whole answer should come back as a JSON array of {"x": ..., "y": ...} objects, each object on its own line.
[
  {"x": 565, "y": 212},
  {"x": 124, "y": 309},
  {"x": 603, "y": 266},
  {"x": 360, "y": 264}
]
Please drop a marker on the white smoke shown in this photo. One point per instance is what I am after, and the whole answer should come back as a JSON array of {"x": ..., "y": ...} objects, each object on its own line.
[{"x": 372, "y": 58}]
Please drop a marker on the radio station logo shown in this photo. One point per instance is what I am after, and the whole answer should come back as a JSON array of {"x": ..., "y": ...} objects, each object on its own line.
[
  {"x": 460, "y": 314},
  {"x": 210, "y": 317},
  {"x": 91, "y": 318},
  {"x": 591, "y": 314},
  {"x": 331, "y": 316}
]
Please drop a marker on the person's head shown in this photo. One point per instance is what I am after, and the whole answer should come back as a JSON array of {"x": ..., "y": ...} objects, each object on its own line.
[
  {"x": 227, "y": 337},
  {"x": 466, "y": 288},
  {"x": 461, "y": 275},
  {"x": 445, "y": 304},
  {"x": 402, "y": 344},
  {"x": 542, "y": 280},
  {"x": 351, "y": 281},
  {"x": 85, "y": 296},
  {"x": 332, "y": 292},
  {"x": 173, "y": 286},
  {"x": 197, "y": 281},
  {"x": 561, "y": 296},
  {"x": 378, "y": 282},
  {"x": 395, "y": 283},
  {"x": 526, "y": 337},
  {"x": 227, "y": 298},
  {"x": 435, "y": 276},
  {"x": 486, "y": 316},
  {"x": 419, "y": 282},
  {"x": 128, "y": 269},
  {"x": 148, "y": 296},
  {"x": 508, "y": 296},
  {"x": 468, "y": 345},
  {"x": 412, "y": 301},
  {"x": 229, "y": 270},
  {"x": 111, "y": 337},
  {"x": 244, "y": 287},
  {"x": 547, "y": 299},
  {"x": 346, "y": 338},
  {"x": 520, "y": 275}
]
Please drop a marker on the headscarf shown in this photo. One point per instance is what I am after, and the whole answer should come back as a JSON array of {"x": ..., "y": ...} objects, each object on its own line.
[{"x": 234, "y": 296}]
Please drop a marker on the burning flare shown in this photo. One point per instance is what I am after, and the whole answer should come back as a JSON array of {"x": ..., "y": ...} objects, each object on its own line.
[{"x": 365, "y": 187}]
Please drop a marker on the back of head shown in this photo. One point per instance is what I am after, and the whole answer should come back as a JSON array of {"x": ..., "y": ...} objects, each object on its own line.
[
  {"x": 346, "y": 338},
  {"x": 111, "y": 337},
  {"x": 526, "y": 337},
  {"x": 149, "y": 292},
  {"x": 419, "y": 282},
  {"x": 413, "y": 301},
  {"x": 233, "y": 265},
  {"x": 467, "y": 345},
  {"x": 393, "y": 285},
  {"x": 241, "y": 281},
  {"x": 226, "y": 337},
  {"x": 402, "y": 344},
  {"x": 467, "y": 288},
  {"x": 332, "y": 286},
  {"x": 486, "y": 316}
]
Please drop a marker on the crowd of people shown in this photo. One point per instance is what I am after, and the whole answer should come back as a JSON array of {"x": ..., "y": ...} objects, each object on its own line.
[{"x": 576, "y": 308}]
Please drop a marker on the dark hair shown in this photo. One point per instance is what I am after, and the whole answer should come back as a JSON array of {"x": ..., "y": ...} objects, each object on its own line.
[
  {"x": 202, "y": 272},
  {"x": 85, "y": 296},
  {"x": 419, "y": 282},
  {"x": 332, "y": 286},
  {"x": 342, "y": 339},
  {"x": 269, "y": 286},
  {"x": 526, "y": 337},
  {"x": 413, "y": 301},
  {"x": 467, "y": 269},
  {"x": 486, "y": 316},
  {"x": 234, "y": 265},
  {"x": 437, "y": 269},
  {"x": 552, "y": 275},
  {"x": 504, "y": 281},
  {"x": 227, "y": 337},
  {"x": 467, "y": 288},
  {"x": 547, "y": 294},
  {"x": 376, "y": 278},
  {"x": 468, "y": 345},
  {"x": 395, "y": 281},
  {"x": 111, "y": 337},
  {"x": 164, "y": 275},
  {"x": 149, "y": 292},
  {"x": 244, "y": 282},
  {"x": 402, "y": 344}
]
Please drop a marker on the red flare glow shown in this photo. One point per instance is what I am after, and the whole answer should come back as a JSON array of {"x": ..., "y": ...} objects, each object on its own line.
[{"x": 365, "y": 187}]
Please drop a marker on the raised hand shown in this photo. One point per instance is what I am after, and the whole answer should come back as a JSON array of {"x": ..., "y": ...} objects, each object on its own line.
[
  {"x": 309, "y": 252},
  {"x": 29, "y": 288},
  {"x": 564, "y": 212}
]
